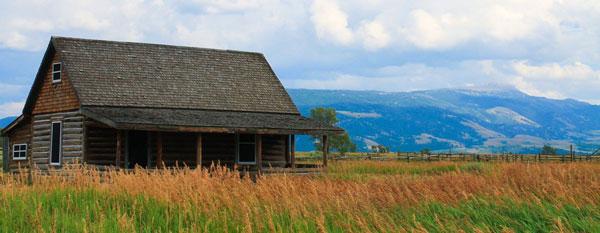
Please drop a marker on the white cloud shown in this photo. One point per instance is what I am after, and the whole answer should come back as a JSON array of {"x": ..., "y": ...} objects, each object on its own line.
[
  {"x": 543, "y": 47},
  {"x": 331, "y": 23},
  {"x": 11, "y": 109},
  {"x": 554, "y": 71},
  {"x": 374, "y": 35}
]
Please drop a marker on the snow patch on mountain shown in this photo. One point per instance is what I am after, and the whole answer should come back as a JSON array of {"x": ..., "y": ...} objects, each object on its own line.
[
  {"x": 360, "y": 114},
  {"x": 506, "y": 115},
  {"x": 482, "y": 131},
  {"x": 424, "y": 138}
]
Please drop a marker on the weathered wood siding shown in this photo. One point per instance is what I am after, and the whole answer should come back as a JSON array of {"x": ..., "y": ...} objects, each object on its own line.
[
  {"x": 273, "y": 151},
  {"x": 72, "y": 138},
  {"x": 20, "y": 134},
  {"x": 55, "y": 97},
  {"x": 101, "y": 145}
]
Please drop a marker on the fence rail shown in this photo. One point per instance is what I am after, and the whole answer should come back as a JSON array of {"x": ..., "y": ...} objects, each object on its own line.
[{"x": 411, "y": 156}]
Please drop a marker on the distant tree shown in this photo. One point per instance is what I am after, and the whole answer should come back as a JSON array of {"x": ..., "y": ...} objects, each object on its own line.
[
  {"x": 327, "y": 116},
  {"x": 426, "y": 151},
  {"x": 341, "y": 143},
  {"x": 380, "y": 148},
  {"x": 374, "y": 148},
  {"x": 548, "y": 150}
]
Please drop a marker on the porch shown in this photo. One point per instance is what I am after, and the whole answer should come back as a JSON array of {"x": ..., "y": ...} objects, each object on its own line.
[{"x": 109, "y": 148}]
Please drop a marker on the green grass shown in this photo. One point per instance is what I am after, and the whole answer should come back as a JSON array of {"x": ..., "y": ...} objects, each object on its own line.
[
  {"x": 365, "y": 169},
  {"x": 95, "y": 211}
]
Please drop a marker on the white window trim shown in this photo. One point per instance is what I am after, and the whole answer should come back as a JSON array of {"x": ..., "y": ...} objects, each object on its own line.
[
  {"x": 13, "y": 151},
  {"x": 60, "y": 72},
  {"x": 237, "y": 151},
  {"x": 59, "y": 143}
]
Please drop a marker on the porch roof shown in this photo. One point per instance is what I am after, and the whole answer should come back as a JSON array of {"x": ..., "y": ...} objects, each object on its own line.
[{"x": 211, "y": 121}]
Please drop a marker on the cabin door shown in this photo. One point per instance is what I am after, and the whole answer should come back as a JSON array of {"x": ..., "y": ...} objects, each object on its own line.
[{"x": 138, "y": 148}]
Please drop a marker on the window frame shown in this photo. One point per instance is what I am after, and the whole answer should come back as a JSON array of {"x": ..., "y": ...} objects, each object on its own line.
[
  {"x": 237, "y": 150},
  {"x": 59, "y": 143},
  {"x": 59, "y": 72},
  {"x": 19, "y": 151}
]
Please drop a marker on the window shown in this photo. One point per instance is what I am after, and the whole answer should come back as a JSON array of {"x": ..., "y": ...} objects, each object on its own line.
[
  {"x": 56, "y": 143},
  {"x": 56, "y": 72},
  {"x": 19, "y": 151},
  {"x": 246, "y": 149}
]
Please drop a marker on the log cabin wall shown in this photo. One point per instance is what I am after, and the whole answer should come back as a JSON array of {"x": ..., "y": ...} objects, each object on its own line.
[
  {"x": 101, "y": 145},
  {"x": 55, "y": 97},
  {"x": 20, "y": 134},
  {"x": 273, "y": 152},
  {"x": 72, "y": 138}
]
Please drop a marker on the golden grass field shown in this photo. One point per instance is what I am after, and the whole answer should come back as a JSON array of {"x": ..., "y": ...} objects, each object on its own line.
[{"x": 354, "y": 196}]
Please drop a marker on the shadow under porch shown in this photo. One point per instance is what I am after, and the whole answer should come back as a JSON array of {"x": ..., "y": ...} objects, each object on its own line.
[{"x": 108, "y": 148}]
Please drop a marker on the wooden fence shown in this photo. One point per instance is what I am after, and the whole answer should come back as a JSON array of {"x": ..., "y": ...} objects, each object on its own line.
[{"x": 411, "y": 156}]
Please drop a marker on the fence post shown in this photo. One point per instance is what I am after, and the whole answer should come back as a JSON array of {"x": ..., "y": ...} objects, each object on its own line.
[
  {"x": 571, "y": 153},
  {"x": 407, "y": 157}
]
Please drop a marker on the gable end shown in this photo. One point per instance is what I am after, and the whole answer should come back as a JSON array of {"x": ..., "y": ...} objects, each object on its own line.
[{"x": 46, "y": 95}]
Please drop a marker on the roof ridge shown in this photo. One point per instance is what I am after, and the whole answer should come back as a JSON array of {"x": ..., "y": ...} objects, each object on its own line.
[{"x": 156, "y": 44}]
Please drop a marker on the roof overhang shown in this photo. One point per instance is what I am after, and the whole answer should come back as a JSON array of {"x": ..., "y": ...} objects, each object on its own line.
[
  {"x": 206, "y": 121},
  {"x": 12, "y": 125}
]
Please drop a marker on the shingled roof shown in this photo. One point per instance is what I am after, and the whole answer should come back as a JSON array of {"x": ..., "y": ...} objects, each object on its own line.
[
  {"x": 162, "y": 87},
  {"x": 193, "y": 120},
  {"x": 126, "y": 74}
]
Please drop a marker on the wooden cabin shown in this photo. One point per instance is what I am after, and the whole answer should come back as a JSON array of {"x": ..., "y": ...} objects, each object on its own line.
[{"x": 121, "y": 104}]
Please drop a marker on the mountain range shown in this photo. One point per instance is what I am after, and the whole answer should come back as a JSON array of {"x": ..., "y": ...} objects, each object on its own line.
[{"x": 485, "y": 119}]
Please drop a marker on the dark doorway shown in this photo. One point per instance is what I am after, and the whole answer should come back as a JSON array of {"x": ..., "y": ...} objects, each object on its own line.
[{"x": 138, "y": 148}]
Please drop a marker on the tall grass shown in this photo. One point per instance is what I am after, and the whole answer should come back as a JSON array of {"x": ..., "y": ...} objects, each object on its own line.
[{"x": 392, "y": 197}]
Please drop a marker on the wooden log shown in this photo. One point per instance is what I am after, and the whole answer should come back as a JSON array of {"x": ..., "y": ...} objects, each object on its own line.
[
  {"x": 287, "y": 149},
  {"x": 85, "y": 145},
  {"x": 259, "y": 152},
  {"x": 159, "y": 150},
  {"x": 199, "y": 151},
  {"x": 118, "y": 157},
  {"x": 325, "y": 150},
  {"x": 293, "y": 151},
  {"x": 5, "y": 153}
]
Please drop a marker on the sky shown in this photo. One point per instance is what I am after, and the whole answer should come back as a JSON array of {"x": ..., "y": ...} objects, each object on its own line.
[{"x": 541, "y": 47}]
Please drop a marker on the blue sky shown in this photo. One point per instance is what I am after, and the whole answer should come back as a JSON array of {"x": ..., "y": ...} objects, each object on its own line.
[{"x": 541, "y": 47}]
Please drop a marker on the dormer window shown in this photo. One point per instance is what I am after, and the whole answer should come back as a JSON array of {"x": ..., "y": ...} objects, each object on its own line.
[{"x": 56, "y": 72}]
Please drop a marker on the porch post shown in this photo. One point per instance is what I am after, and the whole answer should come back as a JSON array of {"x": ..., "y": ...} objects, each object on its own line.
[
  {"x": 293, "y": 155},
  {"x": 126, "y": 152},
  {"x": 325, "y": 150},
  {"x": 118, "y": 157},
  {"x": 5, "y": 153},
  {"x": 199, "y": 151},
  {"x": 159, "y": 150},
  {"x": 259, "y": 152},
  {"x": 287, "y": 150}
]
